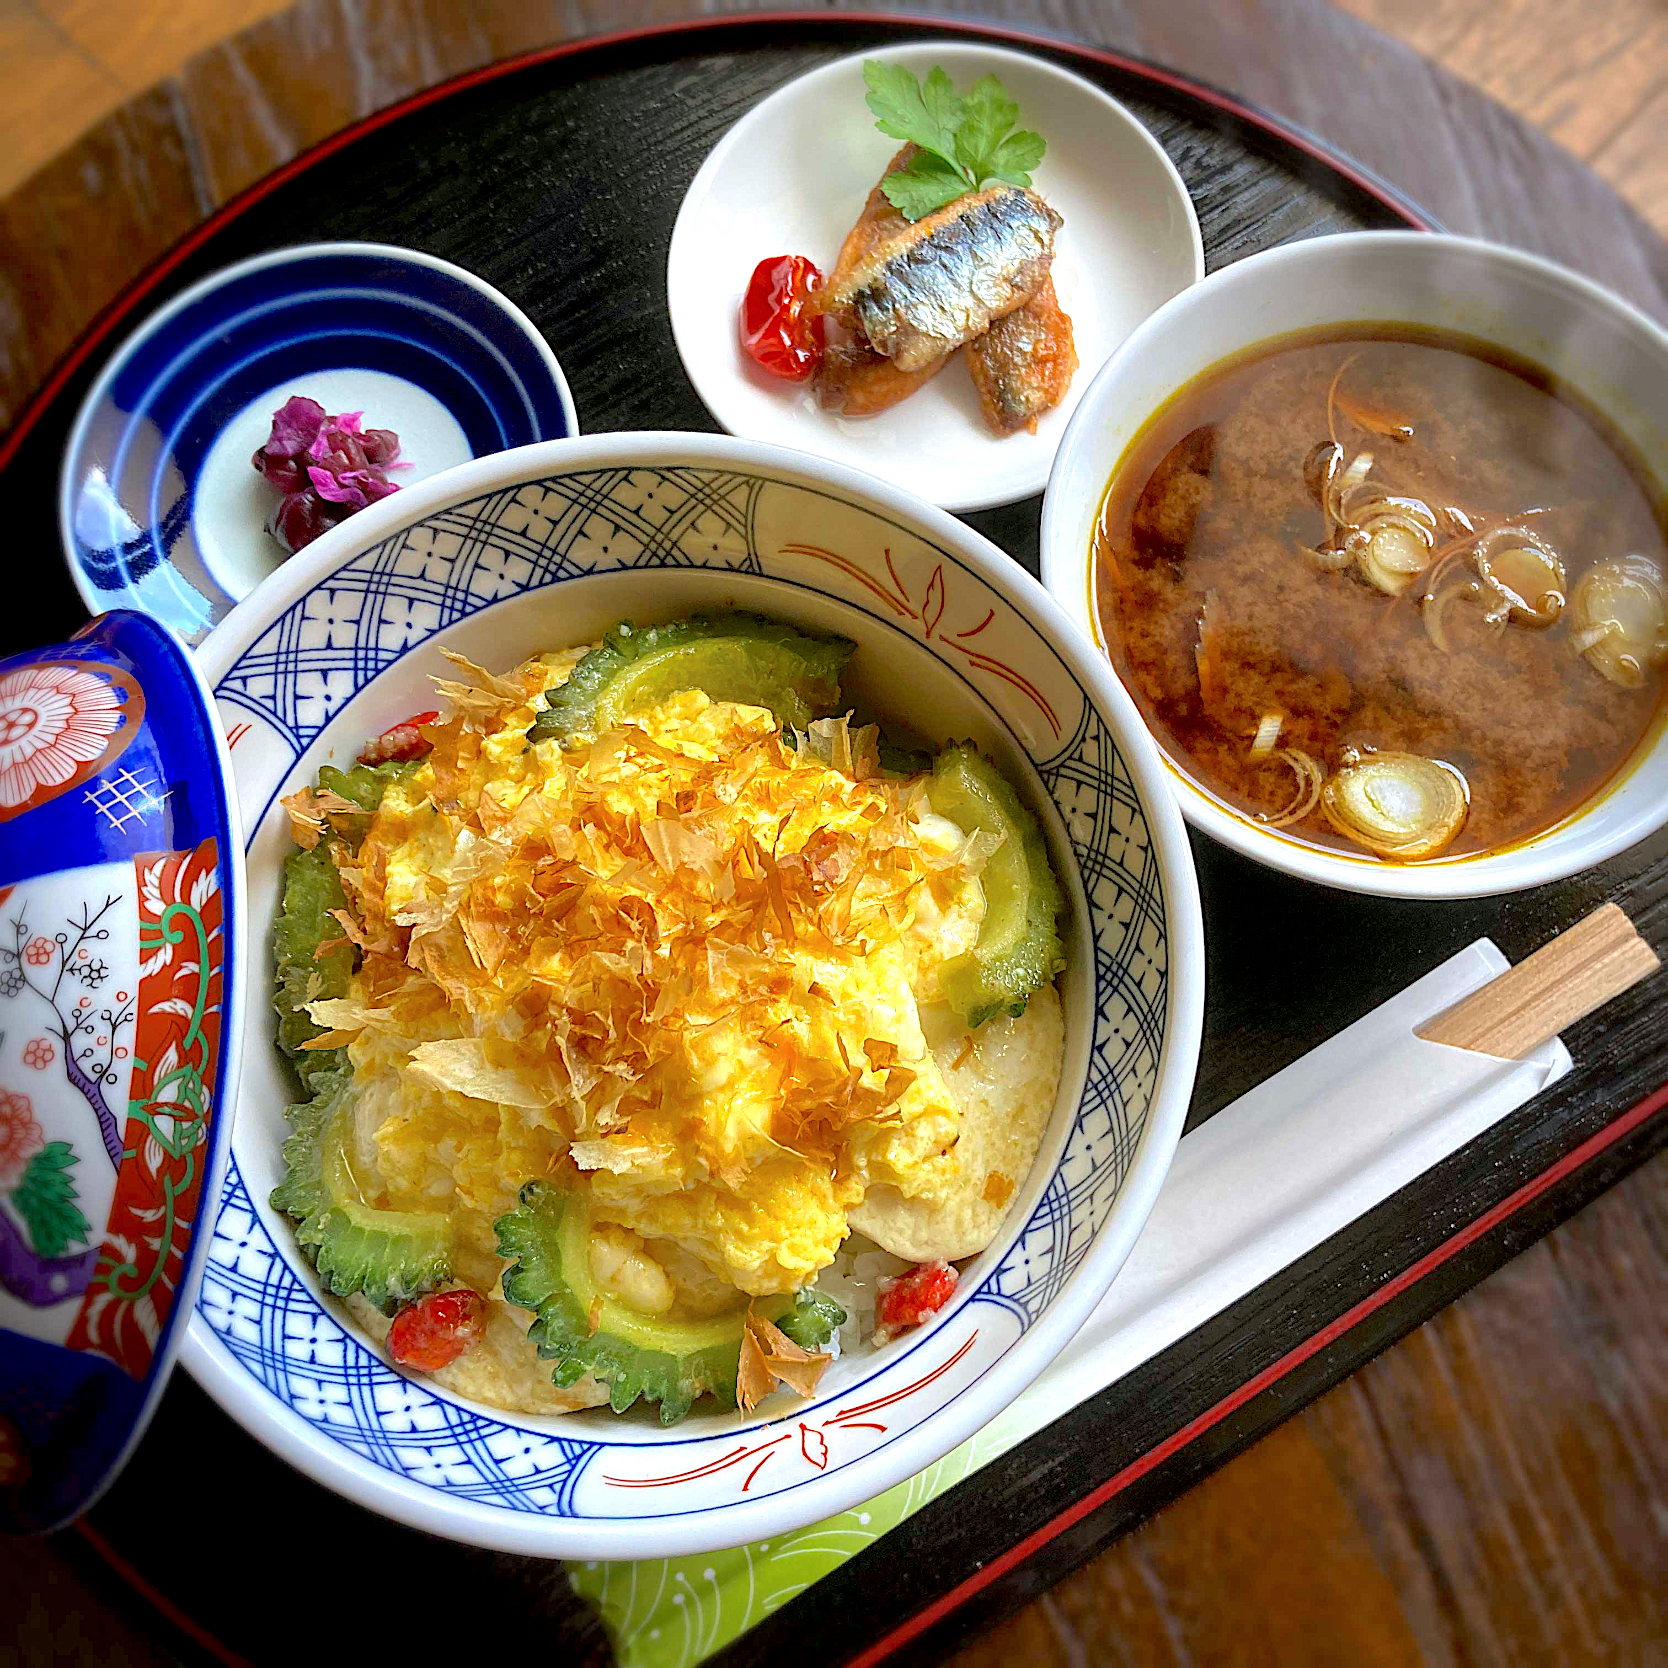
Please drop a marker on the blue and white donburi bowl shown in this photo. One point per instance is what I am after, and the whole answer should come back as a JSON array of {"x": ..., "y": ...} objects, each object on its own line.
[
  {"x": 546, "y": 547},
  {"x": 160, "y": 509}
]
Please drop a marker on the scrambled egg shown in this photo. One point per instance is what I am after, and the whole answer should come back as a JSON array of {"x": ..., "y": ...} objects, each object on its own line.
[{"x": 680, "y": 965}]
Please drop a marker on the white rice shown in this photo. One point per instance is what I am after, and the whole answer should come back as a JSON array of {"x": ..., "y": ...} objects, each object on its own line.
[{"x": 853, "y": 1281}]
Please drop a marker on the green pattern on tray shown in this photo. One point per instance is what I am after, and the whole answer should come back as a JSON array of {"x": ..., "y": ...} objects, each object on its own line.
[{"x": 676, "y": 1612}]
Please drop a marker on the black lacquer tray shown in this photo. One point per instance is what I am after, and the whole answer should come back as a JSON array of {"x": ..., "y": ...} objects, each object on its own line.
[{"x": 536, "y": 174}]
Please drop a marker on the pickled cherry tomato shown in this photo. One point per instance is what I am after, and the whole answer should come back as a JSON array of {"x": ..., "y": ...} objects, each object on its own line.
[
  {"x": 912, "y": 1297},
  {"x": 776, "y": 329},
  {"x": 435, "y": 1330}
]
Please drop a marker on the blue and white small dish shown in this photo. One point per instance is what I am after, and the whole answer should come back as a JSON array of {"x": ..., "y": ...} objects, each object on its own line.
[
  {"x": 159, "y": 508},
  {"x": 122, "y": 973}
]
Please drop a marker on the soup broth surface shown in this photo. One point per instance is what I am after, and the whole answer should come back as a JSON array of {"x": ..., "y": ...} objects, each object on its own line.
[{"x": 1210, "y": 529}]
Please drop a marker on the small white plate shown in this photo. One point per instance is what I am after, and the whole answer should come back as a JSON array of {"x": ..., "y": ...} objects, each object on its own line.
[{"x": 790, "y": 178}]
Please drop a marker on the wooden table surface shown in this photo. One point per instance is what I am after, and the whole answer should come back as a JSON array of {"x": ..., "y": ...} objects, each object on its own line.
[{"x": 1493, "y": 1489}]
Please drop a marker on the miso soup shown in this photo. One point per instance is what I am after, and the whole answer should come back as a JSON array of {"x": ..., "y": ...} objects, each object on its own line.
[{"x": 1388, "y": 591}]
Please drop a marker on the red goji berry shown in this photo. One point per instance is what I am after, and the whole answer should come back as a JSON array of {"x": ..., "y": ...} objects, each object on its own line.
[{"x": 435, "y": 1330}]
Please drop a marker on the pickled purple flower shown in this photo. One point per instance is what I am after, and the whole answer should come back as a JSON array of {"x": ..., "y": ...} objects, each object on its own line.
[{"x": 324, "y": 467}]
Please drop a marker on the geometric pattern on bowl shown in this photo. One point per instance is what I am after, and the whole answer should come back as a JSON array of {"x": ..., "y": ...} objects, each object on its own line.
[{"x": 259, "y": 1298}]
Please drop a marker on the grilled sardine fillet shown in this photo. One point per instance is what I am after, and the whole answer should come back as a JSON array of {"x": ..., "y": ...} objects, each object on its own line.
[
  {"x": 855, "y": 381},
  {"x": 920, "y": 292},
  {"x": 1023, "y": 365}
]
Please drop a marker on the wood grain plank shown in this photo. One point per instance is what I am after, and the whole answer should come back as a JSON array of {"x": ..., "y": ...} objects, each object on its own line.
[
  {"x": 1593, "y": 78},
  {"x": 1603, "y": 93},
  {"x": 60, "y": 1607},
  {"x": 137, "y": 45},
  {"x": 54, "y": 92},
  {"x": 97, "y": 214},
  {"x": 1524, "y": 1428},
  {"x": 287, "y": 83},
  {"x": 1228, "y": 1575},
  {"x": 1470, "y": 161}
]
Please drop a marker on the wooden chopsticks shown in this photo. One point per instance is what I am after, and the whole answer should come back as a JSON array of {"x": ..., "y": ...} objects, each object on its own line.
[{"x": 1563, "y": 981}]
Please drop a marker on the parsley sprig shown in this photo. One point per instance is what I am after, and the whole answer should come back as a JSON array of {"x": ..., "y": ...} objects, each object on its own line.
[{"x": 963, "y": 144}]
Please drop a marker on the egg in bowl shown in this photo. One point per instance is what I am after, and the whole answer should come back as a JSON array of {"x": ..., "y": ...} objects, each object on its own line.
[{"x": 631, "y": 994}]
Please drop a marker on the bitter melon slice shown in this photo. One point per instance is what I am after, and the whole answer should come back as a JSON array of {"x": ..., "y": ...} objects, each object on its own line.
[
  {"x": 584, "y": 1329},
  {"x": 732, "y": 657},
  {"x": 1019, "y": 947},
  {"x": 311, "y": 891},
  {"x": 390, "y": 1256}
]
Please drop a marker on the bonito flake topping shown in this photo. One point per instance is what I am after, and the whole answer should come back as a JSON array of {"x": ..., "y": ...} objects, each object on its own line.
[{"x": 677, "y": 964}]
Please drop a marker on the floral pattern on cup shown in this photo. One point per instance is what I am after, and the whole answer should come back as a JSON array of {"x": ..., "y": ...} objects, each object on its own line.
[
  {"x": 20, "y": 1136},
  {"x": 58, "y": 725},
  {"x": 110, "y": 1228}
]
